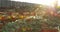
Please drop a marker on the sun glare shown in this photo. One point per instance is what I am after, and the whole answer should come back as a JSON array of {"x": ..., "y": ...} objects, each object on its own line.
[
  {"x": 44, "y": 2},
  {"x": 58, "y": 2}
]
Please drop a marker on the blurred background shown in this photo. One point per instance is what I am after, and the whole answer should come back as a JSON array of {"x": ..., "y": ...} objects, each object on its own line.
[{"x": 29, "y": 15}]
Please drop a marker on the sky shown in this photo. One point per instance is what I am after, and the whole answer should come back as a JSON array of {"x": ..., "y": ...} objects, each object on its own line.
[{"x": 44, "y": 2}]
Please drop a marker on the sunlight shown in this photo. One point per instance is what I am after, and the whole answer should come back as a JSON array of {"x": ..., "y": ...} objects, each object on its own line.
[
  {"x": 58, "y": 2},
  {"x": 44, "y": 2}
]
